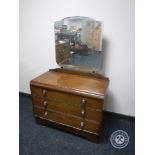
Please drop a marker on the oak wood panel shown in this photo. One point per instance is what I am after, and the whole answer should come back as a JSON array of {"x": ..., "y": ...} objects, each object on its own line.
[
  {"x": 94, "y": 137},
  {"x": 69, "y": 99},
  {"x": 79, "y": 72},
  {"x": 67, "y": 120},
  {"x": 75, "y": 84},
  {"x": 68, "y": 108},
  {"x": 36, "y": 91},
  {"x": 91, "y": 102}
]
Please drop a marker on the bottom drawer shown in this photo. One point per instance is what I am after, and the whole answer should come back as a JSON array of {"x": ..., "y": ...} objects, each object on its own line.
[{"x": 67, "y": 120}]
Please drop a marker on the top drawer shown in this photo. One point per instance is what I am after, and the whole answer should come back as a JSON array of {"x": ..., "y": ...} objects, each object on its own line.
[{"x": 68, "y": 98}]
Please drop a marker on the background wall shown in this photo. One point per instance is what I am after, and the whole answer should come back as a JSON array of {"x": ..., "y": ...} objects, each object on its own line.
[{"x": 37, "y": 48}]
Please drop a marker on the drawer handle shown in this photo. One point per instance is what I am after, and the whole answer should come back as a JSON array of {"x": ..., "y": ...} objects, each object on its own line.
[
  {"x": 46, "y": 114},
  {"x": 45, "y": 104},
  {"x": 82, "y": 113},
  {"x": 44, "y": 92},
  {"x": 84, "y": 101},
  {"x": 82, "y": 125}
]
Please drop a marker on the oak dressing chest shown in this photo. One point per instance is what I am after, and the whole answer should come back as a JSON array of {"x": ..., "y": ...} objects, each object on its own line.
[{"x": 67, "y": 98}]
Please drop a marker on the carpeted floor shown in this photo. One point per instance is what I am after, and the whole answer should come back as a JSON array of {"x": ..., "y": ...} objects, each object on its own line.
[{"x": 40, "y": 140}]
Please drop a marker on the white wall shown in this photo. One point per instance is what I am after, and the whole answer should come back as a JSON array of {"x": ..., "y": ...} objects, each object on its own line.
[{"x": 37, "y": 49}]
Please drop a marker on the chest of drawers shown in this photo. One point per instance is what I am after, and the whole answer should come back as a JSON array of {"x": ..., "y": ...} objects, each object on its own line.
[{"x": 69, "y": 101}]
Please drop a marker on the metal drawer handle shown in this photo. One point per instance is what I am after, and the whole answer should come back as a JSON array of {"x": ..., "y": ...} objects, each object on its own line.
[
  {"x": 46, "y": 114},
  {"x": 84, "y": 101},
  {"x": 45, "y": 104},
  {"x": 82, "y": 113},
  {"x": 82, "y": 125},
  {"x": 44, "y": 92}
]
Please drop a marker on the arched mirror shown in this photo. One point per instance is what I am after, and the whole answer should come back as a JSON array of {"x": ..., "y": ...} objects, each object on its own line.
[{"x": 78, "y": 42}]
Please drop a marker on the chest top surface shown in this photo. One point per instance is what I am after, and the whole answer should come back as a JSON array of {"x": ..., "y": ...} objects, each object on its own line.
[{"x": 72, "y": 83}]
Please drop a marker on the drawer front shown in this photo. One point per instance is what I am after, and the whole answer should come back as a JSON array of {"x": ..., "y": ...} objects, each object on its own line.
[
  {"x": 69, "y": 108},
  {"x": 64, "y": 119},
  {"x": 76, "y": 100},
  {"x": 37, "y": 91}
]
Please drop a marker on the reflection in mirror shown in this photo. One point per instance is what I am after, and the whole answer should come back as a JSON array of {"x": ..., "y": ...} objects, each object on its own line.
[{"x": 78, "y": 42}]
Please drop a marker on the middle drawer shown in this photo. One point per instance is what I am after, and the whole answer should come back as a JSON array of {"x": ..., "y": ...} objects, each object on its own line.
[{"x": 71, "y": 108}]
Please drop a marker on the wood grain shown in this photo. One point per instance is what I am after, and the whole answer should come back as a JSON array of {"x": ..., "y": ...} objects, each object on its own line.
[
  {"x": 76, "y": 84},
  {"x": 69, "y": 108},
  {"x": 67, "y": 120},
  {"x": 70, "y": 100},
  {"x": 66, "y": 97},
  {"x": 92, "y": 137}
]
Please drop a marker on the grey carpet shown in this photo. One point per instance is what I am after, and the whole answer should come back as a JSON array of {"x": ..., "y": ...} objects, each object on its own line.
[{"x": 36, "y": 139}]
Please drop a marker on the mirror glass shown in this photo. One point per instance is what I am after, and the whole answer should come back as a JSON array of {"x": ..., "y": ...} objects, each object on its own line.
[{"x": 78, "y": 42}]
